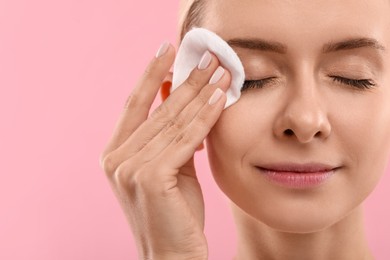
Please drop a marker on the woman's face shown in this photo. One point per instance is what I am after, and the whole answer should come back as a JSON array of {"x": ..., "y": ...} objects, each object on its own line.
[{"x": 303, "y": 114}]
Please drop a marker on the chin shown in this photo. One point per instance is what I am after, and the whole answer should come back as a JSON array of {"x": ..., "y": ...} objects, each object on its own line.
[
  {"x": 290, "y": 217},
  {"x": 298, "y": 225},
  {"x": 285, "y": 214}
]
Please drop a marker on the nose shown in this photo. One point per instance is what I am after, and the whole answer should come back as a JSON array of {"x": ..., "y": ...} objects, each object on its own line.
[{"x": 302, "y": 116}]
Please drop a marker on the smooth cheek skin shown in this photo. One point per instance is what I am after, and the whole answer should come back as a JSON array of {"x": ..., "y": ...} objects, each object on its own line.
[{"x": 251, "y": 132}]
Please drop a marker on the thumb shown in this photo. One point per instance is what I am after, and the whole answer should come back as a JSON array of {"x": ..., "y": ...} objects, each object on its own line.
[{"x": 188, "y": 168}]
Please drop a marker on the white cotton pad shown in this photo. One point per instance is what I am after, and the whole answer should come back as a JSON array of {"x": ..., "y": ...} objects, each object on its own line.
[{"x": 191, "y": 50}]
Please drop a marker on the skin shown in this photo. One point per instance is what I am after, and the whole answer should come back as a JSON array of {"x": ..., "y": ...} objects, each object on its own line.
[
  {"x": 331, "y": 123},
  {"x": 149, "y": 160}
]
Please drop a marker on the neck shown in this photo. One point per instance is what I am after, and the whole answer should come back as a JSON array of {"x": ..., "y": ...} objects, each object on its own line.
[{"x": 343, "y": 240}]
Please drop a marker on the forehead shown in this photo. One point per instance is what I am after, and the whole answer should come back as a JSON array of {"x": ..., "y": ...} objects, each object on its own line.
[{"x": 299, "y": 19}]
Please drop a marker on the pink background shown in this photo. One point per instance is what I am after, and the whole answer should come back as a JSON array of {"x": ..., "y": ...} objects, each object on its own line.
[{"x": 66, "y": 69}]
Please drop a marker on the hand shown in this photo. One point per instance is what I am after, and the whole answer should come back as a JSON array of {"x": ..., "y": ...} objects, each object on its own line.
[{"x": 150, "y": 161}]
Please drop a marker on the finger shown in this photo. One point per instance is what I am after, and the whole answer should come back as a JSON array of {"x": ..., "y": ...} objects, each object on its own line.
[
  {"x": 140, "y": 100},
  {"x": 147, "y": 131},
  {"x": 164, "y": 113},
  {"x": 187, "y": 91},
  {"x": 181, "y": 122},
  {"x": 184, "y": 145},
  {"x": 165, "y": 91}
]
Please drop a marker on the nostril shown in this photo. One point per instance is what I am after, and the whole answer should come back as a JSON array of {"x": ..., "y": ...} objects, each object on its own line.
[{"x": 288, "y": 132}]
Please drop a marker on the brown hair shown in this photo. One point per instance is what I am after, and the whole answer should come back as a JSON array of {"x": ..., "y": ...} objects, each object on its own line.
[{"x": 193, "y": 17}]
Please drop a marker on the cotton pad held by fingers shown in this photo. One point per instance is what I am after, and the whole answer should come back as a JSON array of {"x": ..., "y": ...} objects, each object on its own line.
[{"x": 194, "y": 44}]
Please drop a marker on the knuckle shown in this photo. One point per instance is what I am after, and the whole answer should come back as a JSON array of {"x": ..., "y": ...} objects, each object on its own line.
[
  {"x": 193, "y": 83},
  {"x": 148, "y": 72},
  {"x": 202, "y": 119},
  {"x": 132, "y": 101},
  {"x": 173, "y": 126},
  {"x": 137, "y": 179},
  {"x": 182, "y": 138},
  {"x": 178, "y": 123},
  {"x": 167, "y": 128},
  {"x": 145, "y": 179},
  {"x": 135, "y": 100},
  {"x": 141, "y": 180},
  {"x": 162, "y": 111},
  {"x": 133, "y": 177},
  {"x": 109, "y": 165},
  {"x": 123, "y": 174}
]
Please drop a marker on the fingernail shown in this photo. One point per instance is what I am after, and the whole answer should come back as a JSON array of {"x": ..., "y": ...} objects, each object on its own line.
[
  {"x": 216, "y": 96},
  {"x": 162, "y": 50},
  {"x": 205, "y": 61},
  {"x": 217, "y": 75}
]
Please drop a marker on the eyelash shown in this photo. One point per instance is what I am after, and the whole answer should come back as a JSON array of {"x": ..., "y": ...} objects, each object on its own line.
[
  {"x": 358, "y": 83},
  {"x": 256, "y": 83}
]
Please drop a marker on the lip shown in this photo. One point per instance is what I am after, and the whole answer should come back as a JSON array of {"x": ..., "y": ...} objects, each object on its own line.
[{"x": 299, "y": 176}]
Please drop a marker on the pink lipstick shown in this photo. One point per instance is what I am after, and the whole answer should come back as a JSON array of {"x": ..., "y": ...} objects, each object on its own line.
[{"x": 298, "y": 176}]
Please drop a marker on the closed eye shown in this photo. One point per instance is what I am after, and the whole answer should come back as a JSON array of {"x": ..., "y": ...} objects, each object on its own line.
[
  {"x": 358, "y": 83},
  {"x": 259, "y": 83}
]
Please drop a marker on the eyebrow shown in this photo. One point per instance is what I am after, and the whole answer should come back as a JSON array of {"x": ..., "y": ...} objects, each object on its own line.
[
  {"x": 258, "y": 44},
  {"x": 271, "y": 46}
]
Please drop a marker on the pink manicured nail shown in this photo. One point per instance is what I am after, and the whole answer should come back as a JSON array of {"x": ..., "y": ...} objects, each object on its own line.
[
  {"x": 205, "y": 61},
  {"x": 217, "y": 75},
  {"x": 216, "y": 96},
  {"x": 162, "y": 50}
]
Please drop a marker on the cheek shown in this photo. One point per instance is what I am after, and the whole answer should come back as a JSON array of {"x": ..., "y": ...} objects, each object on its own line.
[
  {"x": 244, "y": 131},
  {"x": 239, "y": 131},
  {"x": 227, "y": 142},
  {"x": 361, "y": 133},
  {"x": 244, "y": 125}
]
